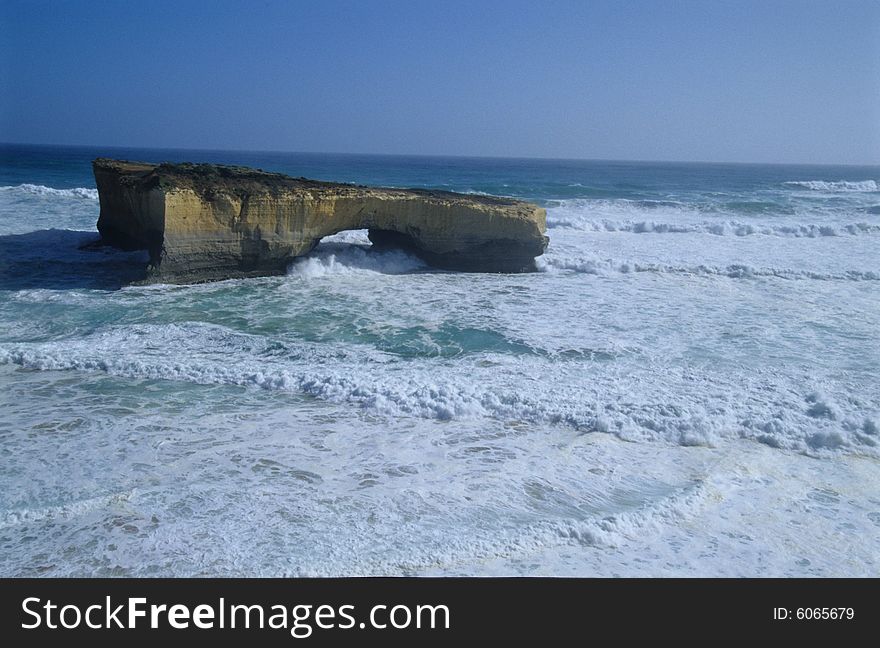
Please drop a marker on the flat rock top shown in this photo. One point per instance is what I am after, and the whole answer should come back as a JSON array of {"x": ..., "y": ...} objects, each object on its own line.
[{"x": 207, "y": 178}]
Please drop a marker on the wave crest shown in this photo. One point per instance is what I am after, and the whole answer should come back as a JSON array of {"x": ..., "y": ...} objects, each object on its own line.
[
  {"x": 347, "y": 259},
  {"x": 81, "y": 193},
  {"x": 839, "y": 186},
  {"x": 599, "y": 266},
  {"x": 719, "y": 228},
  {"x": 680, "y": 408}
]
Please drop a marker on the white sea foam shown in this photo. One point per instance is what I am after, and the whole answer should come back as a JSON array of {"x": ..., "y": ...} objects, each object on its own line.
[
  {"x": 594, "y": 265},
  {"x": 357, "y": 497},
  {"x": 601, "y": 210},
  {"x": 838, "y": 186},
  {"x": 61, "y": 511},
  {"x": 353, "y": 261},
  {"x": 28, "y": 207},
  {"x": 81, "y": 193},
  {"x": 677, "y": 405},
  {"x": 615, "y": 528},
  {"x": 718, "y": 228},
  {"x": 348, "y": 253},
  {"x": 646, "y": 217}
]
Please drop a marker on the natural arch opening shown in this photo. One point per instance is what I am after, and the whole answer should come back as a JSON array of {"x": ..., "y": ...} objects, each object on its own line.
[{"x": 353, "y": 251}]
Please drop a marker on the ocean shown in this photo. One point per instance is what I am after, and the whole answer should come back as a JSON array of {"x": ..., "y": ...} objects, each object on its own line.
[{"x": 687, "y": 387}]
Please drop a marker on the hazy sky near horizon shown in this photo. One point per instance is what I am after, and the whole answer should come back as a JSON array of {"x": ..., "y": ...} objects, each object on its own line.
[{"x": 746, "y": 81}]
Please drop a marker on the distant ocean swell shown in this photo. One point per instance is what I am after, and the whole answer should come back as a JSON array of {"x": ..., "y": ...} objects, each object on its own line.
[
  {"x": 590, "y": 264},
  {"x": 826, "y": 186},
  {"x": 719, "y": 218},
  {"x": 839, "y": 186}
]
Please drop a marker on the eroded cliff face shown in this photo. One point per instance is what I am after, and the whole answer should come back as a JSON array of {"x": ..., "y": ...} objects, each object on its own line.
[{"x": 204, "y": 222}]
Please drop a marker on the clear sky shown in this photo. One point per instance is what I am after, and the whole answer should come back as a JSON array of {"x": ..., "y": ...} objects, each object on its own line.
[{"x": 761, "y": 81}]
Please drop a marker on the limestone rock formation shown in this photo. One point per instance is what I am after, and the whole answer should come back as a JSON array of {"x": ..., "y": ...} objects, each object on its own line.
[{"x": 203, "y": 222}]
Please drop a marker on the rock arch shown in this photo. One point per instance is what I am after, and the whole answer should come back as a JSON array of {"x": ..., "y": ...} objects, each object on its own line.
[{"x": 203, "y": 222}]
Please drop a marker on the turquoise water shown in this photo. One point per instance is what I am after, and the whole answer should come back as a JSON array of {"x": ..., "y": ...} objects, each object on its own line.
[{"x": 687, "y": 387}]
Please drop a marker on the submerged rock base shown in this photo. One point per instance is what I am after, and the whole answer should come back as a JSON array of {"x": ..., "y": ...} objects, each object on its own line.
[{"x": 205, "y": 222}]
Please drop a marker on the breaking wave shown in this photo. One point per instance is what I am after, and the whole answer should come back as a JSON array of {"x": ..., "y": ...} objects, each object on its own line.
[
  {"x": 670, "y": 217},
  {"x": 599, "y": 266},
  {"x": 82, "y": 193},
  {"x": 348, "y": 259},
  {"x": 680, "y": 407},
  {"x": 839, "y": 186},
  {"x": 718, "y": 228}
]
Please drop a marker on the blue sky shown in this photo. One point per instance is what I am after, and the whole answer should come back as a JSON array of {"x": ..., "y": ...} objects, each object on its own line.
[{"x": 767, "y": 81}]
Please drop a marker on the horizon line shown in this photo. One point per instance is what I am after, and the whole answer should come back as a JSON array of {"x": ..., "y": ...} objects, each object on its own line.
[{"x": 440, "y": 155}]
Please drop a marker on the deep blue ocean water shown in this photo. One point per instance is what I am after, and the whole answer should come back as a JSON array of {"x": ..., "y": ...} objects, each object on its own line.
[
  {"x": 731, "y": 185},
  {"x": 688, "y": 386}
]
